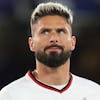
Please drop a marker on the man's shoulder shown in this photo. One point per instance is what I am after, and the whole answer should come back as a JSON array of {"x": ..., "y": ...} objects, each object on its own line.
[
  {"x": 85, "y": 83},
  {"x": 16, "y": 88},
  {"x": 17, "y": 84}
]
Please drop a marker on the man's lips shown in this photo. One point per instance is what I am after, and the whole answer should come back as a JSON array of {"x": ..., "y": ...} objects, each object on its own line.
[{"x": 53, "y": 48}]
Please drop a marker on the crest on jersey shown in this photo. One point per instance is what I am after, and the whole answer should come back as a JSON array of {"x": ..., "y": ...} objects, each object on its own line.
[{"x": 84, "y": 98}]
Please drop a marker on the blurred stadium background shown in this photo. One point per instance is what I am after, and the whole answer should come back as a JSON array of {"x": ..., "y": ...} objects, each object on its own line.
[{"x": 15, "y": 56}]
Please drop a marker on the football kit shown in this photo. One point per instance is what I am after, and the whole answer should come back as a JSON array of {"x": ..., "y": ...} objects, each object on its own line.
[{"x": 29, "y": 88}]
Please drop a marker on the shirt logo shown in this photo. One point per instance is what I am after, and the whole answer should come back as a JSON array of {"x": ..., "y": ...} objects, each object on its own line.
[{"x": 84, "y": 98}]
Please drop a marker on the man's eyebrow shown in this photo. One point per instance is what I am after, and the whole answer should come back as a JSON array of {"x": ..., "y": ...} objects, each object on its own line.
[
  {"x": 46, "y": 29},
  {"x": 63, "y": 29},
  {"x": 60, "y": 29}
]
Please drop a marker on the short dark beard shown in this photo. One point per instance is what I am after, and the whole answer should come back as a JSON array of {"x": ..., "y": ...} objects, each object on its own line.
[{"x": 53, "y": 59}]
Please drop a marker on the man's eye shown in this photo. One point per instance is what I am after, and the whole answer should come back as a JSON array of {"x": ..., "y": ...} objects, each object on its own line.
[
  {"x": 61, "y": 31},
  {"x": 45, "y": 32}
]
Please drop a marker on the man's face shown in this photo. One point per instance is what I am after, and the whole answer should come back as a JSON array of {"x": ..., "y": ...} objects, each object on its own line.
[{"x": 52, "y": 40}]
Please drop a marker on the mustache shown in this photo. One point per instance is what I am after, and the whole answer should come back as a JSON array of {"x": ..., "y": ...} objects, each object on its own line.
[{"x": 58, "y": 46}]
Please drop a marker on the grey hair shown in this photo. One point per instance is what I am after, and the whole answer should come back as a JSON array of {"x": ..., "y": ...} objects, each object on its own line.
[{"x": 51, "y": 8}]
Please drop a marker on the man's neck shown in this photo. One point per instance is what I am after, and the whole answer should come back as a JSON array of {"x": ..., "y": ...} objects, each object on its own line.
[{"x": 52, "y": 76}]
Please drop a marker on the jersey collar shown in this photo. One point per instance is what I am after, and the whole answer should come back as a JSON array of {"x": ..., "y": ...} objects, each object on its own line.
[{"x": 49, "y": 87}]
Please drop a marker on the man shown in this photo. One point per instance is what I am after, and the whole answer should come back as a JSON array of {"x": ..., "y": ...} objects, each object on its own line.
[{"x": 52, "y": 41}]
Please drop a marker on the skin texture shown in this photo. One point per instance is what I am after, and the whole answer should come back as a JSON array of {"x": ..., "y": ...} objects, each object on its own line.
[{"x": 47, "y": 31}]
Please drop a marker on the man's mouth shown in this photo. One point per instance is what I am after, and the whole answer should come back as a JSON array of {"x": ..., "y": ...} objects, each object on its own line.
[{"x": 53, "y": 48}]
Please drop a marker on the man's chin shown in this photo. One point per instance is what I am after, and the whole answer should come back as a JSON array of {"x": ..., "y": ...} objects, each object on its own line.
[{"x": 53, "y": 59}]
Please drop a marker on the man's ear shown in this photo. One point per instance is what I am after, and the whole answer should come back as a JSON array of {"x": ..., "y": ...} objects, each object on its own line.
[
  {"x": 31, "y": 43},
  {"x": 73, "y": 43}
]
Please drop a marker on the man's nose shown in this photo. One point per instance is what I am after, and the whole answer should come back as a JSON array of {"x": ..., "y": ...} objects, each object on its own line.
[{"x": 54, "y": 37}]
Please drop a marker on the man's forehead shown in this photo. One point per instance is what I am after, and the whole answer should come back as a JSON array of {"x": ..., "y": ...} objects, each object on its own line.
[{"x": 50, "y": 22}]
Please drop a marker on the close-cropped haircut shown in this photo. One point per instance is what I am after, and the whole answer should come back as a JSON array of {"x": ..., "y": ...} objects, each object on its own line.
[{"x": 51, "y": 8}]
